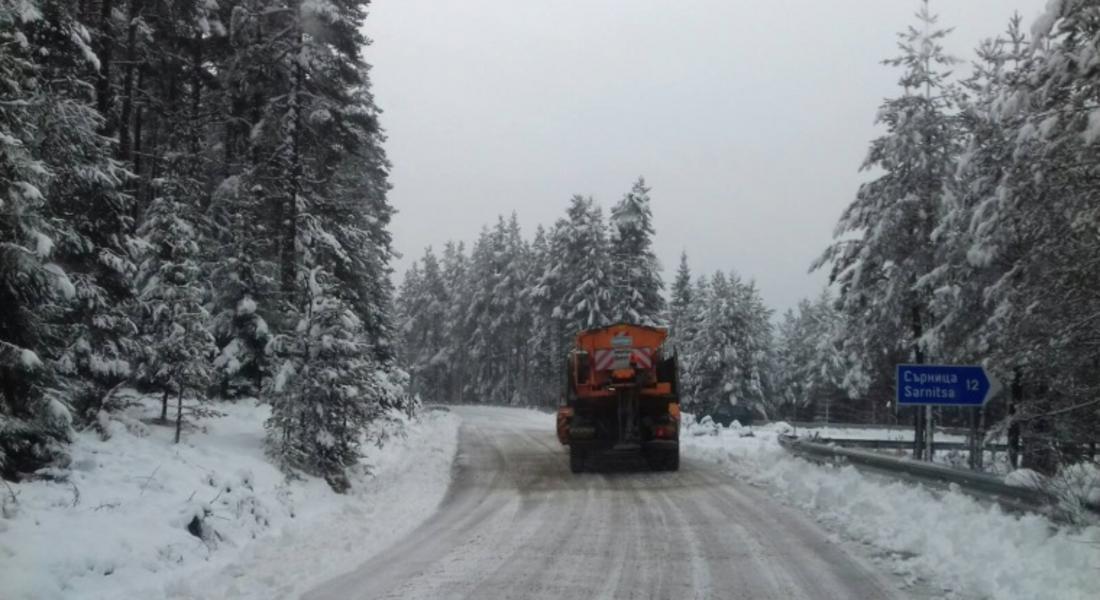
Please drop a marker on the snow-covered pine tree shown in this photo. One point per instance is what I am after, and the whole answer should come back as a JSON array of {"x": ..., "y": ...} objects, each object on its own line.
[
  {"x": 248, "y": 302},
  {"x": 730, "y": 357},
  {"x": 810, "y": 370},
  {"x": 456, "y": 278},
  {"x": 882, "y": 249},
  {"x": 713, "y": 350},
  {"x": 636, "y": 293},
  {"x": 33, "y": 421},
  {"x": 172, "y": 289},
  {"x": 794, "y": 349},
  {"x": 325, "y": 391},
  {"x": 1040, "y": 224},
  {"x": 358, "y": 206},
  {"x": 423, "y": 324},
  {"x": 690, "y": 349},
  {"x": 518, "y": 316},
  {"x": 243, "y": 283},
  {"x": 965, "y": 265},
  {"x": 483, "y": 319},
  {"x": 679, "y": 306},
  {"x": 543, "y": 298},
  {"x": 585, "y": 264},
  {"x": 756, "y": 383},
  {"x": 92, "y": 243},
  {"x": 497, "y": 319}
]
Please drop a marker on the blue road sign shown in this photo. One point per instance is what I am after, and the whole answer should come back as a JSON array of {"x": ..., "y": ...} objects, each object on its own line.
[{"x": 944, "y": 385}]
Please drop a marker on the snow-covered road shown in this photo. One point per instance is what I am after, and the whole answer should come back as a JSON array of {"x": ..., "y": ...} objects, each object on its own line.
[{"x": 517, "y": 524}]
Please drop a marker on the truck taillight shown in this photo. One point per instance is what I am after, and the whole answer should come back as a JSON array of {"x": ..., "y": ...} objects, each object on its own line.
[{"x": 674, "y": 410}]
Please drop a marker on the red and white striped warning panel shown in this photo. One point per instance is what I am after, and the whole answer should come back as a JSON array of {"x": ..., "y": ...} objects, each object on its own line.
[
  {"x": 623, "y": 358},
  {"x": 643, "y": 357},
  {"x": 604, "y": 359}
]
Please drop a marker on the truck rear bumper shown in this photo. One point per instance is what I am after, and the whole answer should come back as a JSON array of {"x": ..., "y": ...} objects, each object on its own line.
[{"x": 662, "y": 444}]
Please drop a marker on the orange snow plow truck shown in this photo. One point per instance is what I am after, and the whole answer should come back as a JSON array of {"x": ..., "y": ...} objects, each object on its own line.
[{"x": 621, "y": 397}]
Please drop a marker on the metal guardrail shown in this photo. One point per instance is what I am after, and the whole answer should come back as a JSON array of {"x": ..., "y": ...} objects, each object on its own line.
[
  {"x": 900, "y": 444},
  {"x": 982, "y": 485},
  {"x": 882, "y": 426}
]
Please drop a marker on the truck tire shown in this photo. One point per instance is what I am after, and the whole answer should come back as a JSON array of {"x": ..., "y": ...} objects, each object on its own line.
[{"x": 576, "y": 459}]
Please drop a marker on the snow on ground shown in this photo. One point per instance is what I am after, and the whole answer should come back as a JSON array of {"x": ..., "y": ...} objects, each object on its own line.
[
  {"x": 967, "y": 549},
  {"x": 118, "y": 528}
]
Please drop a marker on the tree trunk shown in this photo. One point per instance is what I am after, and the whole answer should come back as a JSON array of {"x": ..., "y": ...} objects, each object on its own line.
[
  {"x": 104, "y": 52},
  {"x": 919, "y": 423},
  {"x": 1040, "y": 451},
  {"x": 179, "y": 413},
  {"x": 1013, "y": 425},
  {"x": 288, "y": 255},
  {"x": 139, "y": 146},
  {"x": 164, "y": 407},
  {"x": 196, "y": 117},
  {"x": 124, "y": 142},
  {"x": 975, "y": 446}
]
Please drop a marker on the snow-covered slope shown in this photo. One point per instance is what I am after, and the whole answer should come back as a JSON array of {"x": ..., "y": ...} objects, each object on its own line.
[
  {"x": 119, "y": 526},
  {"x": 948, "y": 541}
]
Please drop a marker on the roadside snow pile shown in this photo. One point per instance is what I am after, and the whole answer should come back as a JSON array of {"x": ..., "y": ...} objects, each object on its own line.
[
  {"x": 1077, "y": 487},
  {"x": 949, "y": 539},
  {"x": 137, "y": 516}
]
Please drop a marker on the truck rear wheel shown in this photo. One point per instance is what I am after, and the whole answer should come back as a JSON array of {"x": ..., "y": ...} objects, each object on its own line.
[{"x": 576, "y": 459}]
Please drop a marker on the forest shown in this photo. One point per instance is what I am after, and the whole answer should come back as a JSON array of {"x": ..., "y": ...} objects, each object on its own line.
[
  {"x": 974, "y": 240},
  {"x": 194, "y": 204},
  {"x": 494, "y": 324}
]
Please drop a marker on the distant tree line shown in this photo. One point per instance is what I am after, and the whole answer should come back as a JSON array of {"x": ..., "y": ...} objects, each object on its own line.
[
  {"x": 194, "y": 191},
  {"x": 978, "y": 239},
  {"x": 494, "y": 325}
]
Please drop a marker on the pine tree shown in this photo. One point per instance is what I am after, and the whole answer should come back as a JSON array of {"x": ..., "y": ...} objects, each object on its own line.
[
  {"x": 242, "y": 281},
  {"x": 325, "y": 391},
  {"x": 456, "y": 268},
  {"x": 171, "y": 288},
  {"x": 424, "y": 301},
  {"x": 517, "y": 314},
  {"x": 635, "y": 272},
  {"x": 967, "y": 265},
  {"x": 810, "y": 370},
  {"x": 62, "y": 236},
  {"x": 680, "y": 326},
  {"x": 882, "y": 252},
  {"x": 1037, "y": 231},
  {"x": 691, "y": 352},
  {"x": 94, "y": 247},
  {"x": 585, "y": 268},
  {"x": 544, "y": 293},
  {"x": 731, "y": 355}
]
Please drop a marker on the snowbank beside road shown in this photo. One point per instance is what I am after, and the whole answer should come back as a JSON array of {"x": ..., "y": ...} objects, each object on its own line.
[
  {"x": 124, "y": 524},
  {"x": 950, "y": 540}
]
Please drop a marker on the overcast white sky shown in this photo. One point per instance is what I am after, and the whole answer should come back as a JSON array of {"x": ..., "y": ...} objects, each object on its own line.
[{"x": 749, "y": 119}]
